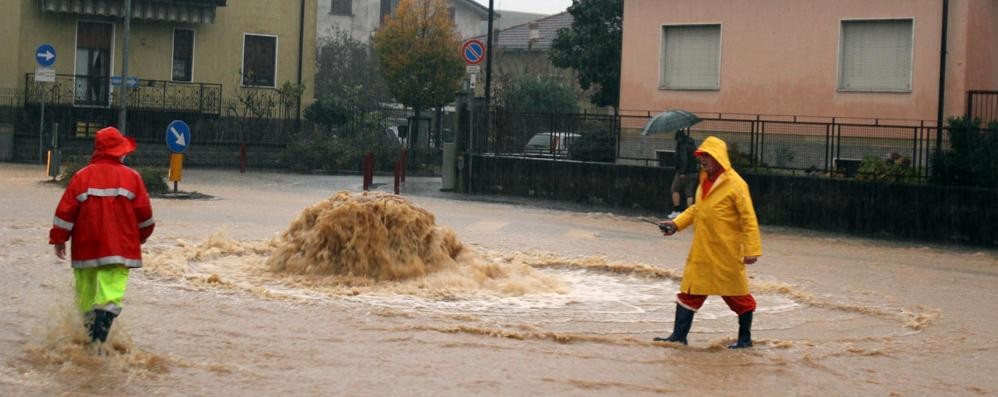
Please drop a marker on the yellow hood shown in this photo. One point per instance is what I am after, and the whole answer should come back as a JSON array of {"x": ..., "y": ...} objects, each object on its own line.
[
  {"x": 717, "y": 149},
  {"x": 726, "y": 231}
]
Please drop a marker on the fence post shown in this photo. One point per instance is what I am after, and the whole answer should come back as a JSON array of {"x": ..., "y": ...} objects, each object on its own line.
[
  {"x": 828, "y": 148},
  {"x": 368, "y": 165},
  {"x": 837, "y": 148},
  {"x": 753, "y": 127},
  {"x": 242, "y": 158}
]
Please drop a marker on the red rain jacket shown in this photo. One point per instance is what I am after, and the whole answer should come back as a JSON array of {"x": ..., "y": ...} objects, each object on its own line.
[{"x": 106, "y": 211}]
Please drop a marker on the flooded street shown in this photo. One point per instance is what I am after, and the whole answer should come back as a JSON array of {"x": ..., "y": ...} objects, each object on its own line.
[{"x": 515, "y": 300}]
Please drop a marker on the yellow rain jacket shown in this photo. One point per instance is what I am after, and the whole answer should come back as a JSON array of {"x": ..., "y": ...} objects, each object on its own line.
[{"x": 726, "y": 231}]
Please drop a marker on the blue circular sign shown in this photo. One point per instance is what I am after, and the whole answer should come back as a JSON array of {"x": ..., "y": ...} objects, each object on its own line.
[
  {"x": 45, "y": 55},
  {"x": 473, "y": 52},
  {"x": 178, "y": 136}
]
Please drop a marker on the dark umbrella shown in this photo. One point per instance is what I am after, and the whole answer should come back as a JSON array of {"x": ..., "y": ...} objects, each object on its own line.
[{"x": 669, "y": 121}]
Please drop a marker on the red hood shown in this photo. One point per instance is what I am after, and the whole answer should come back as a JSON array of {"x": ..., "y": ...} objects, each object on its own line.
[{"x": 110, "y": 142}]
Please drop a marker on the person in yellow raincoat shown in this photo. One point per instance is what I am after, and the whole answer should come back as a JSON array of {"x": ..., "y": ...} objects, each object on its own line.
[{"x": 726, "y": 238}]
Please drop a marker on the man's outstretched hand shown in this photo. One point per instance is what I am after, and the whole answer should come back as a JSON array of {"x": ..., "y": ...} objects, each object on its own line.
[{"x": 668, "y": 228}]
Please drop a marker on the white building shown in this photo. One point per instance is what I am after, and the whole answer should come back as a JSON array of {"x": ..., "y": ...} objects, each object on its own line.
[{"x": 362, "y": 17}]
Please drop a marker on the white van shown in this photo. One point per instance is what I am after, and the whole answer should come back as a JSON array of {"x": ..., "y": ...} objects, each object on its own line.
[{"x": 550, "y": 144}]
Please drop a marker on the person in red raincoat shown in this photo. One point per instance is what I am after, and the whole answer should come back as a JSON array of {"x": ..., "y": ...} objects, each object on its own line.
[
  {"x": 726, "y": 239},
  {"x": 106, "y": 212}
]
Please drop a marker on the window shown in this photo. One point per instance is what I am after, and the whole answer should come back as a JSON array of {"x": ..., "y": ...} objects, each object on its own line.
[
  {"x": 259, "y": 60},
  {"x": 341, "y": 7},
  {"x": 93, "y": 63},
  {"x": 691, "y": 57},
  {"x": 875, "y": 55},
  {"x": 183, "y": 55},
  {"x": 387, "y": 8}
]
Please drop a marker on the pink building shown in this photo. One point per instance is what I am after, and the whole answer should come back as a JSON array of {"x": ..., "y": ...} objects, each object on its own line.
[{"x": 869, "y": 59}]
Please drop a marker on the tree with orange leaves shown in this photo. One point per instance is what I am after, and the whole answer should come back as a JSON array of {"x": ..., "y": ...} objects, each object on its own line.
[{"x": 419, "y": 53}]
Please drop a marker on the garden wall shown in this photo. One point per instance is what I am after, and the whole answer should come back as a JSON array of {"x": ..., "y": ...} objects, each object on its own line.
[{"x": 863, "y": 208}]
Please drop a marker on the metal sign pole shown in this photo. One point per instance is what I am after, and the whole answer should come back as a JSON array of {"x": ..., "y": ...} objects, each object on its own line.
[
  {"x": 471, "y": 126},
  {"x": 123, "y": 116},
  {"x": 41, "y": 132}
]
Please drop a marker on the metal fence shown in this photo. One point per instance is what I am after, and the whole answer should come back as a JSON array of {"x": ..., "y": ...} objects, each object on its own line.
[
  {"x": 806, "y": 145},
  {"x": 103, "y": 91},
  {"x": 809, "y": 145},
  {"x": 542, "y": 134}
]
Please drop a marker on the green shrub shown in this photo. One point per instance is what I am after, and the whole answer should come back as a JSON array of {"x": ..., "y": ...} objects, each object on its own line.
[
  {"x": 895, "y": 168},
  {"x": 593, "y": 145},
  {"x": 329, "y": 112},
  {"x": 973, "y": 157},
  {"x": 326, "y": 154},
  {"x": 739, "y": 160},
  {"x": 67, "y": 172},
  {"x": 540, "y": 95},
  {"x": 784, "y": 156},
  {"x": 153, "y": 177}
]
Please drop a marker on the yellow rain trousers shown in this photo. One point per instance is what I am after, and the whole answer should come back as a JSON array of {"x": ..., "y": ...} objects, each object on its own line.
[
  {"x": 726, "y": 231},
  {"x": 101, "y": 288}
]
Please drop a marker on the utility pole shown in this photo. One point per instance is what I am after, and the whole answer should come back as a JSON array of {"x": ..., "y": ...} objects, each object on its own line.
[
  {"x": 123, "y": 116},
  {"x": 488, "y": 58},
  {"x": 942, "y": 78}
]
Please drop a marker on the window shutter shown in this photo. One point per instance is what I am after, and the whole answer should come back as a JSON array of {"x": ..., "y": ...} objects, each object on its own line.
[
  {"x": 876, "y": 55},
  {"x": 691, "y": 57}
]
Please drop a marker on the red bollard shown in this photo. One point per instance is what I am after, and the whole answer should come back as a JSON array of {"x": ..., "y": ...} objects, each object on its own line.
[
  {"x": 405, "y": 161},
  {"x": 398, "y": 175},
  {"x": 368, "y": 171},
  {"x": 242, "y": 158}
]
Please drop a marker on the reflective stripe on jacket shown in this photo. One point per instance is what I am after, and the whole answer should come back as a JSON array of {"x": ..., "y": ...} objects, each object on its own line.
[
  {"x": 107, "y": 213},
  {"x": 725, "y": 231}
]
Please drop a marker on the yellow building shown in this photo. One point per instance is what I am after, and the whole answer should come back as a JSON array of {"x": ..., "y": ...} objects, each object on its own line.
[{"x": 190, "y": 56}]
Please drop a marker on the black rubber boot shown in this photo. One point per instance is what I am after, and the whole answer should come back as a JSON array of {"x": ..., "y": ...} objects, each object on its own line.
[
  {"x": 684, "y": 320},
  {"x": 101, "y": 325},
  {"x": 744, "y": 331}
]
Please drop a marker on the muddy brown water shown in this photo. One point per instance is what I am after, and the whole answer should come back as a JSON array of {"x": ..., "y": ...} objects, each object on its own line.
[{"x": 505, "y": 300}]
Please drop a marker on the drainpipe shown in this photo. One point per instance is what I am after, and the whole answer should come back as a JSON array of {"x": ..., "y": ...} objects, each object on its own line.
[
  {"x": 942, "y": 79},
  {"x": 301, "y": 51}
]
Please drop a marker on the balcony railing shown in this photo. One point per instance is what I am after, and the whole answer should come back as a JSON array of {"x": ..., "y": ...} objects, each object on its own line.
[{"x": 98, "y": 91}]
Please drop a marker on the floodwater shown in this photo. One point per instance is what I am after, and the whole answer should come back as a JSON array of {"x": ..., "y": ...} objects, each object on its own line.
[{"x": 301, "y": 285}]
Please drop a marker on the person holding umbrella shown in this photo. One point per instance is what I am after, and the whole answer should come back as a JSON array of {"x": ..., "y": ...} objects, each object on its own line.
[
  {"x": 684, "y": 182},
  {"x": 726, "y": 239}
]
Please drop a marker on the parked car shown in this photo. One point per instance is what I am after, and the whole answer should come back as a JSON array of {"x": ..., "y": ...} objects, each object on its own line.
[{"x": 550, "y": 144}]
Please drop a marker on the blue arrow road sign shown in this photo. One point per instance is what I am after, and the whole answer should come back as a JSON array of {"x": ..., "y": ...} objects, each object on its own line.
[
  {"x": 178, "y": 136},
  {"x": 132, "y": 81},
  {"x": 45, "y": 55}
]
